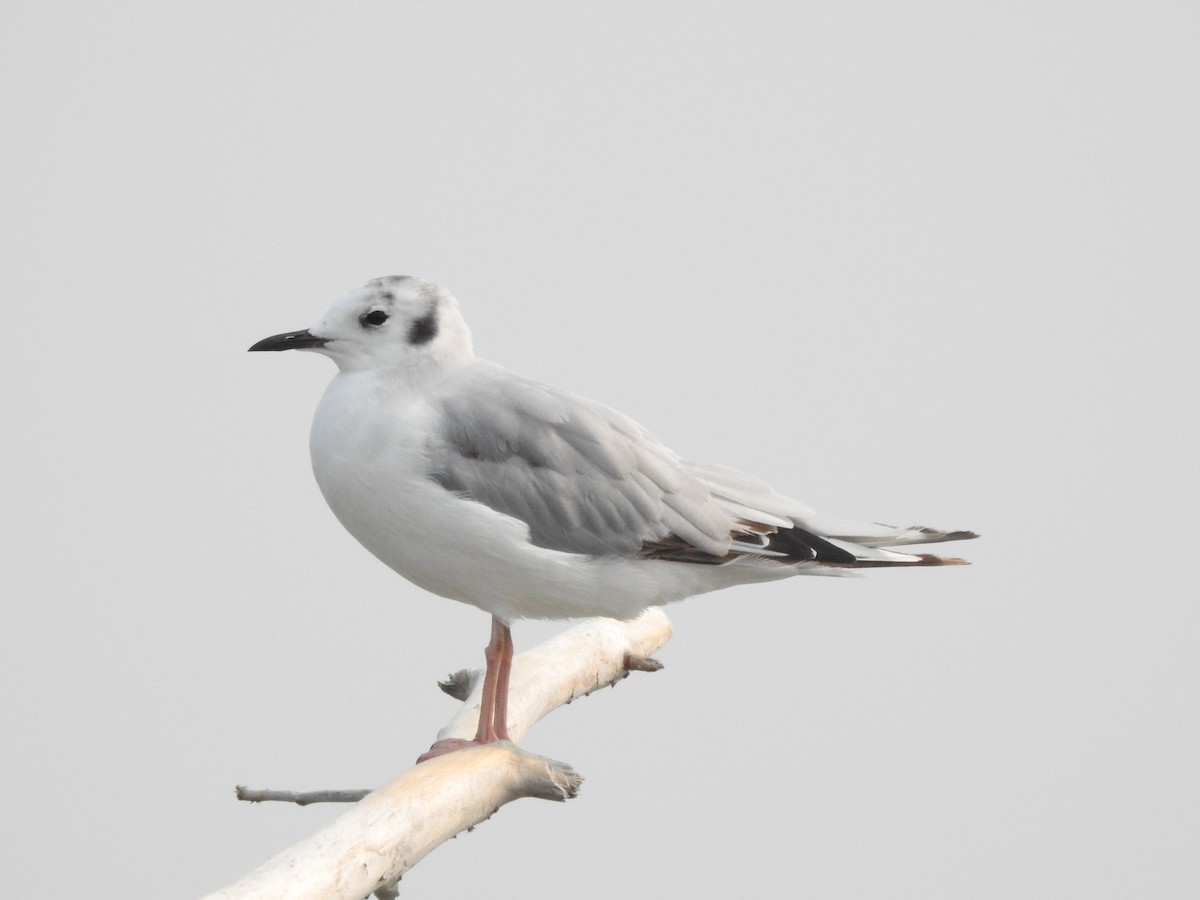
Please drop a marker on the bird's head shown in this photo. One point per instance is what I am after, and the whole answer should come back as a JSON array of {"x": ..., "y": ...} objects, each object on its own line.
[{"x": 394, "y": 321}]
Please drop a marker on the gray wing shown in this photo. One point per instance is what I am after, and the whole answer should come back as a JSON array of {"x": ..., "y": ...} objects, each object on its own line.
[
  {"x": 582, "y": 477},
  {"x": 586, "y": 479}
]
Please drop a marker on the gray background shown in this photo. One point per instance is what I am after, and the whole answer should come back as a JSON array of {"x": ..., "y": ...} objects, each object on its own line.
[{"x": 929, "y": 263}]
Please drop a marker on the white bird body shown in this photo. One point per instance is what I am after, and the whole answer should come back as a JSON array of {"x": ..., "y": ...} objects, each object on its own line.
[
  {"x": 369, "y": 455},
  {"x": 527, "y": 502}
]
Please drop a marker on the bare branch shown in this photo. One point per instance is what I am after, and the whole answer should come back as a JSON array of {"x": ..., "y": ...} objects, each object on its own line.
[
  {"x": 372, "y": 844},
  {"x": 593, "y": 654},
  {"x": 379, "y": 838},
  {"x": 300, "y": 798}
]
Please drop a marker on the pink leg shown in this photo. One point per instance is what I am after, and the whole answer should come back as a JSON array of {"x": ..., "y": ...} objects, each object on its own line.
[
  {"x": 493, "y": 702},
  {"x": 503, "y": 670},
  {"x": 496, "y": 671}
]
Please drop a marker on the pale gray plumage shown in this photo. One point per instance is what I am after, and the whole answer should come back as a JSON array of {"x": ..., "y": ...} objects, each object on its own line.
[
  {"x": 582, "y": 477},
  {"x": 586, "y": 479}
]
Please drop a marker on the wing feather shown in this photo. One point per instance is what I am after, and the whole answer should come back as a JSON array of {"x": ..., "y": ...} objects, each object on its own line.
[
  {"x": 586, "y": 479},
  {"x": 582, "y": 478}
]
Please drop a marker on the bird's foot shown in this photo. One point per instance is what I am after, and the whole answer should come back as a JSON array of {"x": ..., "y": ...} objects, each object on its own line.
[
  {"x": 449, "y": 745},
  {"x": 442, "y": 747}
]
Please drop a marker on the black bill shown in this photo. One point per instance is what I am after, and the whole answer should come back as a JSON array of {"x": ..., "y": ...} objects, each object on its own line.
[{"x": 292, "y": 340}]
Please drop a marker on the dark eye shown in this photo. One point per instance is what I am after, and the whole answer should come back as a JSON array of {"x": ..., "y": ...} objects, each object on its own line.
[{"x": 375, "y": 317}]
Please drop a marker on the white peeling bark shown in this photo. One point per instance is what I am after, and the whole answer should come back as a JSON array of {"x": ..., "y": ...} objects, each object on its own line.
[{"x": 368, "y": 848}]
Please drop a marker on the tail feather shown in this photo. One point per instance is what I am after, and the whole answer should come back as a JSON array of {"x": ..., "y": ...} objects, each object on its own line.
[
  {"x": 803, "y": 545},
  {"x": 869, "y": 543},
  {"x": 857, "y": 545},
  {"x": 903, "y": 559},
  {"x": 876, "y": 534},
  {"x": 770, "y": 528}
]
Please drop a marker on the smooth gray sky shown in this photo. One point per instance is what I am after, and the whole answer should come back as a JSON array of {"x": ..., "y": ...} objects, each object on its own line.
[{"x": 928, "y": 263}]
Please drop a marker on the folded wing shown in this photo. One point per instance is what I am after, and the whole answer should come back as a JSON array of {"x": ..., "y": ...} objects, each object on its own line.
[{"x": 586, "y": 479}]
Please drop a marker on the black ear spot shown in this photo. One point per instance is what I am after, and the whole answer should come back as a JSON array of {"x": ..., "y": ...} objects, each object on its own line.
[{"x": 424, "y": 329}]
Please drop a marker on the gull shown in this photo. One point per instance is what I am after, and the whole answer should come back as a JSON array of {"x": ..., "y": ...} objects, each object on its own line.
[{"x": 525, "y": 501}]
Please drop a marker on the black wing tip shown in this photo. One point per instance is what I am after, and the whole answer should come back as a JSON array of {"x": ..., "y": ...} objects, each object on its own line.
[{"x": 786, "y": 546}]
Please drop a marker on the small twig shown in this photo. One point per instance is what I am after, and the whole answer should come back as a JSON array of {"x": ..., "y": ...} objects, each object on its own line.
[
  {"x": 460, "y": 684},
  {"x": 300, "y": 798},
  {"x": 641, "y": 663}
]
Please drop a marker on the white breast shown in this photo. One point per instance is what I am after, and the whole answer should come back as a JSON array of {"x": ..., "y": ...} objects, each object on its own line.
[{"x": 367, "y": 445}]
